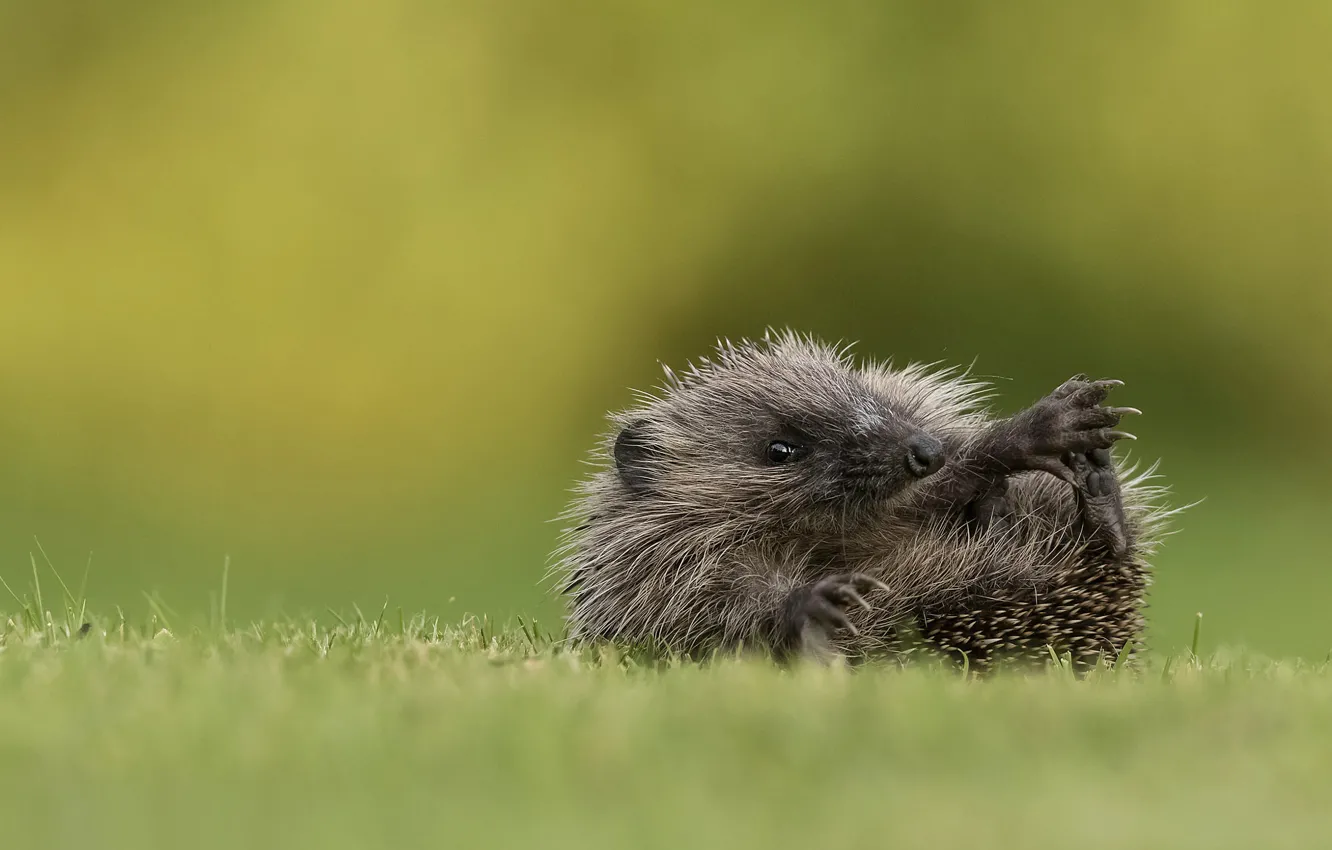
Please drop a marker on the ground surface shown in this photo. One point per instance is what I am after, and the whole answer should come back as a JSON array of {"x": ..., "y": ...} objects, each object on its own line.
[{"x": 382, "y": 731}]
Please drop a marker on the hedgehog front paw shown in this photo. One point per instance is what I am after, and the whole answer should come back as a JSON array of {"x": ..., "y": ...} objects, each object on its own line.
[
  {"x": 1070, "y": 420},
  {"x": 815, "y": 613},
  {"x": 1096, "y": 488}
]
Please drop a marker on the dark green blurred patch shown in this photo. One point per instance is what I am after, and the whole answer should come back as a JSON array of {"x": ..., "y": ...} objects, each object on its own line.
[{"x": 343, "y": 290}]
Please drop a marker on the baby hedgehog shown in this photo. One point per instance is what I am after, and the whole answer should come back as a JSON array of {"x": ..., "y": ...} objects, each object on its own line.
[{"x": 779, "y": 495}]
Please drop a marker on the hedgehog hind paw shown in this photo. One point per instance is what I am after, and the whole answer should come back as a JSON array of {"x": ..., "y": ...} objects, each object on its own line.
[{"x": 1096, "y": 488}]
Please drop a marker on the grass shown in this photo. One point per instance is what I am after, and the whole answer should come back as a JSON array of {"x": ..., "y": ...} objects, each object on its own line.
[{"x": 378, "y": 729}]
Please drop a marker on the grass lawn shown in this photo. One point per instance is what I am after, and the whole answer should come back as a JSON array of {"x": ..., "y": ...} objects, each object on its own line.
[{"x": 382, "y": 731}]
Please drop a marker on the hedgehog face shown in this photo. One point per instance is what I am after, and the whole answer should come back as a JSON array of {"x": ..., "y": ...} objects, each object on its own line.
[{"x": 793, "y": 440}]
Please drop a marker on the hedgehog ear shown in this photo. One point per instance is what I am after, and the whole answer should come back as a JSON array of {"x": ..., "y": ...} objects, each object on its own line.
[{"x": 634, "y": 456}]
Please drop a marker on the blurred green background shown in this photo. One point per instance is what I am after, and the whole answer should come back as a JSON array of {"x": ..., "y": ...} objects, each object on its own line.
[{"x": 343, "y": 290}]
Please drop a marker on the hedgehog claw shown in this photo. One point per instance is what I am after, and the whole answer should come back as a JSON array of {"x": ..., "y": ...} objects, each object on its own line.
[
  {"x": 864, "y": 583},
  {"x": 845, "y": 593},
  {"x": 852, "y": 596}
]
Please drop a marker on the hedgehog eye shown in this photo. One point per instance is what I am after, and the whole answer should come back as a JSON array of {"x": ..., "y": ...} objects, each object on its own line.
[{"x": 780, "y": 451}]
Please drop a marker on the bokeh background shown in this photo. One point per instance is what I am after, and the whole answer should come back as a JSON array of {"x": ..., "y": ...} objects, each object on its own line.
[{"x": 343, "y": 290}]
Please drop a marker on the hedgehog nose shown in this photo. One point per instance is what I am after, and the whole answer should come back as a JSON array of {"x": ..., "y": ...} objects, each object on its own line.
[{"x": 924, "y": 455}]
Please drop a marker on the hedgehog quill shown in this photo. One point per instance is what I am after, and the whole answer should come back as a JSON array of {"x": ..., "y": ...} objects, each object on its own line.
[{"x": 781, "y": 495}]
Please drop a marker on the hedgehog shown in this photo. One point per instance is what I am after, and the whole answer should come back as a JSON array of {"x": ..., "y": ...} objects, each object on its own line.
[{"x": 781, "y": 496}]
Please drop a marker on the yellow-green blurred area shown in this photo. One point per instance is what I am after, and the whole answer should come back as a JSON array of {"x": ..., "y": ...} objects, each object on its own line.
[{"x": 343, "y": 290}]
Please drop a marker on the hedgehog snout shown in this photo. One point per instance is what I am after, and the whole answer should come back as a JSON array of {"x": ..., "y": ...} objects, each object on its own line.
[{"x": 924, "y": 455}]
